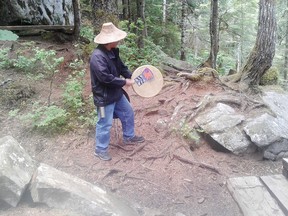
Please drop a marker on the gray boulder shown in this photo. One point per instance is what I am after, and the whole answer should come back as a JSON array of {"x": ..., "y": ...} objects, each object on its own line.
[
  {"x": 16, "y": 170},
  {"x": 278, "y": 103},
  {"x": 63, "y": 191},
  {"x": 263, "y": 130},
  {"x": 277, "y": 150},
  {"x": 40, "y": 12},
  {"x": 239, "y": 132},
  {"x": 222, "y": 124}
]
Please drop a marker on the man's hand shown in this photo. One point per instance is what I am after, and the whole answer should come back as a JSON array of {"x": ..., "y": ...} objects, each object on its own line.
[{"x": 129, "y": 82}]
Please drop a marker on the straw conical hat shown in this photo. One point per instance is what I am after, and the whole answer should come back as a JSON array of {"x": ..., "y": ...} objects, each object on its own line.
[
  {"x": 148, "y": 81},
  {"x": 109, "y": 33}
]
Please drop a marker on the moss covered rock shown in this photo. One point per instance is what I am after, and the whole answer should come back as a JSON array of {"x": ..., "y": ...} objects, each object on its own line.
[{"x": 270, "y": 77}]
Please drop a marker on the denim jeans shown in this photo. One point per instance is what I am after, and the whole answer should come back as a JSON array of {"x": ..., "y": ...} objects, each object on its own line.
[{"x": 123, "y": 110}]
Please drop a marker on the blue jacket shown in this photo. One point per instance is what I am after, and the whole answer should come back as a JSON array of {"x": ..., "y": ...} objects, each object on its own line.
[{"x": 106, "y": 69}]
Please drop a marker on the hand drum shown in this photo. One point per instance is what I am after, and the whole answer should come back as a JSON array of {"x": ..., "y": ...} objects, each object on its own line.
[{"x": 148, "y": 81}]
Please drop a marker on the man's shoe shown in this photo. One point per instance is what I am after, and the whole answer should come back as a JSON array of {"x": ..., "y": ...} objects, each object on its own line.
[
  {"x": 134, "y": 140},
  {"x": 103, "y": 156}
]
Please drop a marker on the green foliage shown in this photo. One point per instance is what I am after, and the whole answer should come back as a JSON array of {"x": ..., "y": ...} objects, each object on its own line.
[
  {"x": 191, "y": 135},
  {"x": 167, "y": 37},
  {"x": 48, "y": 59},
  {"x": 13, "y": 113},
  {"x": 225, "y": 63},
  {"x": 238, "y": 28},
  {"x": 87, "y": 49},
  {"x": 47, "y": 118},
  {"x": 87, "y": 32},
  {"x": 25, "y": 64},
  {"x": 185, "y": 130},
  {"x": 5, "y": 61},
  {"x": 89, "y": 117},
  {"x": 82, "y": 111},
  {"x": 6, "y": 35},
  {"x": 271, "y": 77},
  {"x": 197, "y": 60},
  {"x": 73, "y": 110},
  {"x": 131, "y": 55},
  {"x": 73, "y": 87},
  {"x": 37, "y": 63}
]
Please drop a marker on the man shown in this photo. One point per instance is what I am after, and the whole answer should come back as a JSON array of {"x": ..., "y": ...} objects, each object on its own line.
[{"x": 108, "y": 76}]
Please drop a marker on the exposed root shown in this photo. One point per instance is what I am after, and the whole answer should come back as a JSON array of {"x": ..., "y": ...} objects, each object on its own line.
[
  {"x": 241, "y": 101},
  {"x": 199, "y": 164},
  {"x": 122, "y": 147},
  {"x": 137, "y": 150},
  {"x": 112, "y": 172}
]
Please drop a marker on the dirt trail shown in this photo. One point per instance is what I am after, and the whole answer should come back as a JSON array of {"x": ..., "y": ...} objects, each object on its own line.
[{"x": 163, "y": 176}]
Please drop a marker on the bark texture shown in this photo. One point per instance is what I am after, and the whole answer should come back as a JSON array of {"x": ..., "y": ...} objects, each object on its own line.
[
  {"x": 182, "y": 26},
  {"x": 104, "y": 11},
  {"x": 261, "y": 57},
  {"x": 141, "y": 27},
  {"x": 214, "y": 36},
  {"x": 286, "y": 48},
  {"x": 77, "y": 19}
]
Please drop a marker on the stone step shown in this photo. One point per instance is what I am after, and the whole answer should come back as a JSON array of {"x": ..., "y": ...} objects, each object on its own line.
[
  {"x": 253, "y": 197},
  {"x": 277, "y": 185}
]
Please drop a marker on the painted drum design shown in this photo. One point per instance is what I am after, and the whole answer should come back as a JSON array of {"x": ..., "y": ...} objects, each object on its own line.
[{"x": 148, "y": 81}]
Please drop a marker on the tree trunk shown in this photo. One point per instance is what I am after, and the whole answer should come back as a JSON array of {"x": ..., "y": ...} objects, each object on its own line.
[
  {"x": 286, "y": 48},
  {"x": 196, "y": 41},
  {"x": 261, "y": 57},
  {"x": 141, "y": 15},
  {"x": 77, "y": 19},
  {"x": 182, "y": 26},
  {"x": 125, "y": 5},
  {"x": 164, "y": 11},
  {"x": 214, "y": 36},
  {"x": 103, "y": 11}
]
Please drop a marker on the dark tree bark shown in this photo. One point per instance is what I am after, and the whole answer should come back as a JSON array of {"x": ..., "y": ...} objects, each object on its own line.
[
  {"x": 77, "y": 19},
  {"x": 286, "y": 48},
  {"x": 214, "y": 36},
  {"x": 141, "y": 16},
  {"x": 182, "y": 26},
  {"x": 103, "y": 11},
  {"x": 126, "y": 9},
  {"x": 261, "y": 57}
]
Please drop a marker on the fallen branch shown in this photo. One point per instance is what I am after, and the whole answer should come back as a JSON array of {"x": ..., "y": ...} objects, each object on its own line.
[
  {"x": 202, "y": 165},
  {"x": 209, "y": 167}
]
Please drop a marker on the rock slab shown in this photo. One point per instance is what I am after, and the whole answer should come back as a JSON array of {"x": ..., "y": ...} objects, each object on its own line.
[
  {"x": 63, "y": 191},
  {"x": 16, "y": 171},
  {"x": 278, "y": 187},
  {"x": 253, "y": 197}
]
